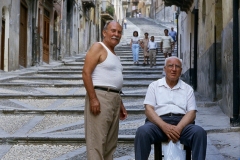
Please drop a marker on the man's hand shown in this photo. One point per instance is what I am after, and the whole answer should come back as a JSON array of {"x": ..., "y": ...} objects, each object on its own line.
[
  {"x": 123, "y": 112},
  {"x": 172, "y": 132},
  {"x": 95, "y": 106}
]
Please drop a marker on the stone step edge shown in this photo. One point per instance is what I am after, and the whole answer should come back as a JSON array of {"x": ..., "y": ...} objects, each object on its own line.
[
  {"x": 80, "y": 78},
  {"x": 81, "y": 138},
  {"x": 57, "y": 111},
  {"x": 48, "y": 96},
  {"x": 57, "y": 85}
]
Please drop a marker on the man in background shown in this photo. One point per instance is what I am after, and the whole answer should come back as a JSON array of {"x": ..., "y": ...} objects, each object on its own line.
[
  {"x": 173, "y": 34},
  {"x": 166, "y": 44}
]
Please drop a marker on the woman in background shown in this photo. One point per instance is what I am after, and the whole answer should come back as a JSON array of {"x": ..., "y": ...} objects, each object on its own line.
[{"x": 135, "y": 46}]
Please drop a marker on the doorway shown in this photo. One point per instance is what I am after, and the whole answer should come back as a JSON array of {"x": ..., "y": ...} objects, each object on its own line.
[
  {"x": 23, "y": 36},
  {"x": 46, "y": 36}
]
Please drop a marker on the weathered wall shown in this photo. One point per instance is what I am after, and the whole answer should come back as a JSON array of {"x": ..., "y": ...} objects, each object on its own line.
[
  {"x": 206, "y": 69},
  {"x": 227, "y": 69},
  {"x": 212, "y": 15},
  {"x": 165, "y": 14},
  {"x": 186, "y": 23},
  {"x": 14, "y": 10}
]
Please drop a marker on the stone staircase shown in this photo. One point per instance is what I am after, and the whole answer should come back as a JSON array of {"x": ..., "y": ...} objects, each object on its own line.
[{"x": 43, "y": 111}]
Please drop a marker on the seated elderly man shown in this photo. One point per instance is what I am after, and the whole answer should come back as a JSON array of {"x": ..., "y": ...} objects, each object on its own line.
[{"x": 171, "y": 109}]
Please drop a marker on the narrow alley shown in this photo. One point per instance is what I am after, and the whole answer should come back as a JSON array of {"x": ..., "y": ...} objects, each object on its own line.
[{"x": 42, "y": 107}]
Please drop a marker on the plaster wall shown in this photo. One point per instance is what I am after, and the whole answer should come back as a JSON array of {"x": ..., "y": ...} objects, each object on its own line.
[
  {"x": 74, "y": 32},
  {"x": 14, "y": 35},
  {"x": 220, "y": 88},
  {"x": 227, "y": 12},
  {"x": 227, "y": 69},
  {"x": 206, "y": 25},
  {"x": 206, "y": 51},
  {"x": 166, "y": 14},
  {"x": 186, "y": 46}
]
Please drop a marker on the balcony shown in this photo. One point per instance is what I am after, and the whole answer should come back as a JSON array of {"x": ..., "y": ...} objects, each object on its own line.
[
  {"x": 106, "y": 17},
  {"x": 183, "y": 6},
  {"x": 88, "y": 3},
  {"x": 135, "y": 2},
  {"x": 126, "y": 2}
]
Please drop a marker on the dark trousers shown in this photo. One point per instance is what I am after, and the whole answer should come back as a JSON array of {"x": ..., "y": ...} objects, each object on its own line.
[{"x": 192, "y": 135}]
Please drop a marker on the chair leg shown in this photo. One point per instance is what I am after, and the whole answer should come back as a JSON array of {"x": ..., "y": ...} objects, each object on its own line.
[
  {"x": 188, "y": 152},
  {"x": 158, "y": 151}
]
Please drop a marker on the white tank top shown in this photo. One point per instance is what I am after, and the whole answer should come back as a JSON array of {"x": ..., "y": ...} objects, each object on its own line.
[{"x": 109, "y": 72}]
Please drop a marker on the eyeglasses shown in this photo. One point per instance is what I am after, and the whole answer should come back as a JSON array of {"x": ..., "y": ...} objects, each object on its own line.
[{"x": 171, "y": 66}]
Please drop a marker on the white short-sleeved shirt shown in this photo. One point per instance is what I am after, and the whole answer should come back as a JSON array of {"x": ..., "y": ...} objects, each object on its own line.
[
  {"x": 178, "y": 100},
  {"x": 152, "y": 45}
]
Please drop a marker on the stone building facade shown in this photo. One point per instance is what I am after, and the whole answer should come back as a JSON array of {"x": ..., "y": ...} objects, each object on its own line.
[
  {"x": 161, "y": 12},
  {"x": 206, "y": 29},
  {"x": 34, "y": 32},
  {"x": 214, "y": 50}
]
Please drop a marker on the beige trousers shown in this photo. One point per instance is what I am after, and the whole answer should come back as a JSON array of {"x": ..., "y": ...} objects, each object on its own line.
[
  {"x": 152, "y": 57},
  {"x": 101, "y": 131}
]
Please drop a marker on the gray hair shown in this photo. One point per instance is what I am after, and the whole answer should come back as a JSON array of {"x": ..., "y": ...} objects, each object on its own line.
[
  {"x": 166, "y": 60},
  {"x": 108, "y": 22}
]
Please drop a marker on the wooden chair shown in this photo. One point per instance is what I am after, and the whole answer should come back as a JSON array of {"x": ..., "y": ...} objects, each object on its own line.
[{"x": 158, "y": 151}]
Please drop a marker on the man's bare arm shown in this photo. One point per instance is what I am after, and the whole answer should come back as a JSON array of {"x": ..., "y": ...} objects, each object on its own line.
[
  {"x": 94, "y": 56},
  {"x": 187, "y": 119}
]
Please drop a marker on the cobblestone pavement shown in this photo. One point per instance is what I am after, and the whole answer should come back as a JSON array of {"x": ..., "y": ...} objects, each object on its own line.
[{"x": 42, "y": 108}]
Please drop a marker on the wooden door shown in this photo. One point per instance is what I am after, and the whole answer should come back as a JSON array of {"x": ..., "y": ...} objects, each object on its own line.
[
  {"x": 2, "y": 45},
  {"x": 23, "y": 36},
  {"x": 46, "y": 37}
]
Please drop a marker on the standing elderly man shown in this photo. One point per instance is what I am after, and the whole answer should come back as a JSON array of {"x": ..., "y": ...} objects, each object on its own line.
[
  {"x": 171, "y": 109},
  {"x": 103, "y": 80}
]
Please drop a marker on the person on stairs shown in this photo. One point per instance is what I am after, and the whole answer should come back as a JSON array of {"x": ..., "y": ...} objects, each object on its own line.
[
  {"x": 134, "y": 44},
  {"x": 166, "y": 44},
  {"x": 144, "y": 46},
  {"x": 152, "y": 48}
]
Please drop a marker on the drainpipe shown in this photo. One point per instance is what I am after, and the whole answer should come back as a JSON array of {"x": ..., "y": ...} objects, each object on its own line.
[
  {"x": 195, "y": 48},
  {"x": 235, "y": 120}
]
